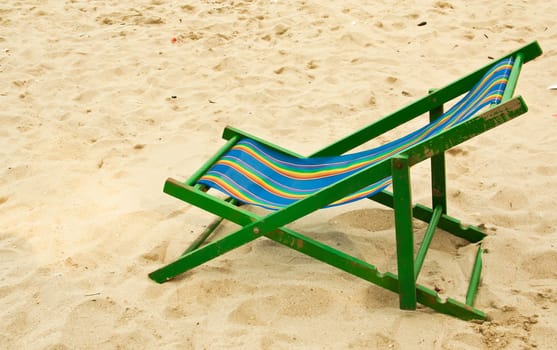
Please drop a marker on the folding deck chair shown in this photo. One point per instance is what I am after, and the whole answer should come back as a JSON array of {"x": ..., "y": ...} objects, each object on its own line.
[{"x": 253, "y": 171}]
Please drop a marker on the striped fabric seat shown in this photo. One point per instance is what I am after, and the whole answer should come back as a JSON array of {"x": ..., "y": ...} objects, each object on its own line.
[{"x": 255, "y": 174}]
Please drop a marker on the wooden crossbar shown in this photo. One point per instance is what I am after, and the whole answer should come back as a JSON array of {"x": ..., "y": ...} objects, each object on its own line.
[{"x": 404, "y": 283}]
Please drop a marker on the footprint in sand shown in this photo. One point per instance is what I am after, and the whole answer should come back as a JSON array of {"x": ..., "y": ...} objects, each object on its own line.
[
  {"x": 93, "y": 319},
  {"x": 546, "y": 298},
  {"x": 374, "y": 341},
  {"x": 367, "y": 219},
  {"x": 443, "y": 5},
  {"x": 132, "y": 16},
  {"x": 541, "y": 264},
  {"x": 275, "y": 340},
  {"x": 458, "y": 151},
  {"x": 547, "y": 170},
  {"x": 509, "y": 198},
  {"x": 290, "y": 301},
  {"x": 15, "y": 263},
  {"x": 16, "y": 173}
]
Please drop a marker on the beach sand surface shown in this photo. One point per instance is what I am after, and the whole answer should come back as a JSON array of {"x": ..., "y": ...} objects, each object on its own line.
[{"x": 101, "y": 101}]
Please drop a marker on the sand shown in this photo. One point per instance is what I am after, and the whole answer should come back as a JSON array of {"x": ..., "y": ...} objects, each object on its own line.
[{"x": 103, "y": 100}]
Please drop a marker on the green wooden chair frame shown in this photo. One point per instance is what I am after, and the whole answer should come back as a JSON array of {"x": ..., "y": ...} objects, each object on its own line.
[{"x": 409, "y": 264}]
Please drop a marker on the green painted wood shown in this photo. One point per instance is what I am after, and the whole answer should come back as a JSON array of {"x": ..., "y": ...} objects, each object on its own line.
[
  {"x": 204, "y": 254},
  {"x": 204, "y": 235},
  {"x": 297, "y": 242},
  {"x": 334, "y": 257},
  {"x": 404, "y": 231},
  {"x": 209, "y": 163},
  {"x": 207, "y": 202},
  {"x": 446, "y": 223},
  {"x": 421, "y": 106},
  {"x": 426, "y": 242},
  {"x": 438, "y": 177},
  {"x": 426, "y": 104},
  {"x": 475, "y": 278},
  {"x": 368, "y": 272},
  {"x": 465, "y": 131},
  {"x": 338, "y": 190},
  {"x": 208, "y": 231},
  {"x": 272, "y": 225},
  {"x": 442, "y": 142},
  {"x": 450, "y": 306},
  {"x": 416, "y": 154},
  {"x": 513, "y": 77}
]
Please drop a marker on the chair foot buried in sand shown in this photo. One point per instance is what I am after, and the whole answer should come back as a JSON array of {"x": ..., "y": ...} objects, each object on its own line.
[{"x": 252, "y": 171}]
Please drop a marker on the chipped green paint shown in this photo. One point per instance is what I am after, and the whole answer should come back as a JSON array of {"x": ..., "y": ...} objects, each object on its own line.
[{"x": 273, "y": 227}]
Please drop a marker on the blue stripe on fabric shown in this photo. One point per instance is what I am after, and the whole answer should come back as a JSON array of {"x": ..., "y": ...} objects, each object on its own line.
[{"x": 467, "y": 107}]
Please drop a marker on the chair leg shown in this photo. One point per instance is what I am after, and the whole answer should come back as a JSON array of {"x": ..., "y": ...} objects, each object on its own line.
[
  {"x": 329, "y": 255},
  {"x": 449, "y": 224},
  {"x": 438, "y": 185},
  {"x": 368, "y": 272},
  {"x": 206, "y": 253},
  {"x": 438, "y": 182},
  {"x": 404, "y": 233}
]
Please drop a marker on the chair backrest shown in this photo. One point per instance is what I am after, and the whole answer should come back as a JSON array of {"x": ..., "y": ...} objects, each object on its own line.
[{"x": 258, "y": 175}]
